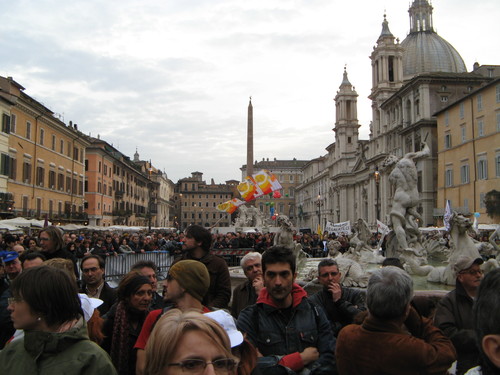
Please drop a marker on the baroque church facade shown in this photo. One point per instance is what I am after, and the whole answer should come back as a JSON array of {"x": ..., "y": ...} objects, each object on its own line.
[{"x": 411, "y": 81}]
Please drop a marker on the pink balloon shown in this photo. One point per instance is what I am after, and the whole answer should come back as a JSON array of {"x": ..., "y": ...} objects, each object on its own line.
[
  {"x": 277, "y": 194},
  {"x": 273, "y": 217}
]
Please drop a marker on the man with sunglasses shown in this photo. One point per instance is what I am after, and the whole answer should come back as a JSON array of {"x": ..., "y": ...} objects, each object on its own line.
[
  {"x": 341, "y": 304},
  {"x": 454, "y": 313}
]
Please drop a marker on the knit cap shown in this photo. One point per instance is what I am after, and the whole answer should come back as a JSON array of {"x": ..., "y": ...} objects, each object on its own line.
[{"x": 192, "y": 276}]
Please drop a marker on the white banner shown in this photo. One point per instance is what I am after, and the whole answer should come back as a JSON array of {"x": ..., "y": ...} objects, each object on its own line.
[
  {"x": 382, "y": 228},
  {"x": 338, "y": 228}
]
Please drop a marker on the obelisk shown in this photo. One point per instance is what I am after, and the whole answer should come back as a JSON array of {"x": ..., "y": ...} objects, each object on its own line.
[{"x": 250, "y": 139}]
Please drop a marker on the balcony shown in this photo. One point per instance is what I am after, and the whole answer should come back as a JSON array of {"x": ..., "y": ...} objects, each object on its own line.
[{"x": 119, "y": 194}]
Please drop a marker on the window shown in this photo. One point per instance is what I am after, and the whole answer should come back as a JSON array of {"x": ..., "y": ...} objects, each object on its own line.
[
  {"x": 479, "y": 100},
  {"x": 480, "y": 128},
  {"x": 5, "y": 165},
  {"x": 13, "y": 122},
  {"x": 448, "y": 177},
  {"x": 464, "y": 174},
  {"x": 498, "y": 93},
  {"x": 482, "y": 169},
  {"x": 40, "y": 174},
  {"x": 13, "y": 168},
  {"x": 466, "y": 203},
  {"x": 42, "y": 136},
  {"x": 5, "y": 123},
  {"x": 444, "y": 99},
  {"x": 68, "y": 184},
  {"x": 446, "y": 118},
  {"x": 497, "y": 165},
  {"x": 98, "y": 187},
  {"x": 27, "y": 173},
  {"x": 291, "y": 177},
  {"x": 463, "y": 132},
  {"x": 61, "y": 147},
  {"x": 60, "y": 182},
  {"x": 447, "y": 140},
  {"x": 99, "y": 167},
  {"x": 481, "y": 200},
  {"x": 75, "y": 154},
  {"x": 498, "y": 122},
  {"x": 53, "y": 142},
  {"x": 462, "y": 110},
  {"x": 52, "y": 179}
]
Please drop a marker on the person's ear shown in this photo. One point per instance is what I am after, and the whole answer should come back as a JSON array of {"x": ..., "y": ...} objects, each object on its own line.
[{"x": 491, "y": 347}]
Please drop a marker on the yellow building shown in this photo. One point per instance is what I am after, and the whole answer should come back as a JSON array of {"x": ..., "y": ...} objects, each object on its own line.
[
  {"x": 46, "y": 171},
  {"x": 469, "y": 151}
]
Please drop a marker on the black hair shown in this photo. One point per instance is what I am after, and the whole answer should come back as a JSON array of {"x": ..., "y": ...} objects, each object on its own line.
[
  {"x": 31, "y": 255},
  {"x": 200, "y": 234},
  {"x": 278, "y": 254},
  {"x": 130, "y": 284},
  {"x": 92, "y": 256},
  {"x": 328, "y": 262},
  {"x": 49, "y": 292},
  {"x": 144, "y": 263}
]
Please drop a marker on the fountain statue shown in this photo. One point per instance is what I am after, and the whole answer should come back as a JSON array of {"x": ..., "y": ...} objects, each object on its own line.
[
  {"x": 250, "y": 216},
  {"x": 405, "y": 219},
  {"x": 461, "y": 245}
]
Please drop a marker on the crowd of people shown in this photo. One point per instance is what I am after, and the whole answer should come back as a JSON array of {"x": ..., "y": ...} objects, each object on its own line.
[{"x": 61, "y": 316}]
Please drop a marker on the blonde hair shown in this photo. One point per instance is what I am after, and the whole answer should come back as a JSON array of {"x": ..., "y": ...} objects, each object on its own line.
[
  {"x": 62, "y": 264},
  {"x": 169, "y": 330}
]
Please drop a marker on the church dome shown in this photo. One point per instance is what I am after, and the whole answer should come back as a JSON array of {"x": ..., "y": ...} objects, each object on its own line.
[{"x": 424, "y": 50}]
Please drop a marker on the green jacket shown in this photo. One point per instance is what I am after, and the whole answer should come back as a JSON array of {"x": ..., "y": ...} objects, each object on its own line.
[{"x": 66, "y": 353}]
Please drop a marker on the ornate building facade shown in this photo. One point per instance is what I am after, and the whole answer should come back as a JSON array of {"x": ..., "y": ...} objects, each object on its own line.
[{"x": 411, "y": 81}]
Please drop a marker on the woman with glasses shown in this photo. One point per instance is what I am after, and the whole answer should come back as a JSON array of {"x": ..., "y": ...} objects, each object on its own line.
[
  {"x": 45, "y": 304},
  {"x": 123, "y": 322},
  {"x": 189, "y": 343}
]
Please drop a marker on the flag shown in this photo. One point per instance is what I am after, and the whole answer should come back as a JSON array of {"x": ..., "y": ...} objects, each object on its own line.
[
  {"x": 263, "y": 181},
  {"x": 447, "y": 215},
  {"x": 230, "y": 206},
  {"x": 382, "y": 228},
  {"x": 247, "y": 189},
  {"x": 319, "y": 230}
]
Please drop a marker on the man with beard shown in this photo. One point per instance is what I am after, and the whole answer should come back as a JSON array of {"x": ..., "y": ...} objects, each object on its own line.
[
  {"x": 454, "y": 313},
  {"x": 196, "y": 246},
  {"x": 186, "y": 285},
  {"x": 292, "y": 334}
]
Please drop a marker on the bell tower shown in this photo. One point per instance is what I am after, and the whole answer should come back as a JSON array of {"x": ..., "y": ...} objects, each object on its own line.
[
  {"x": 346, "y": 116},
  {"x": 387, "y": 74}
]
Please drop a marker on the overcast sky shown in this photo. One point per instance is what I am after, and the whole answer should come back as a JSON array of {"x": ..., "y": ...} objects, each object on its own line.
[{"x": 173, "y": 77}]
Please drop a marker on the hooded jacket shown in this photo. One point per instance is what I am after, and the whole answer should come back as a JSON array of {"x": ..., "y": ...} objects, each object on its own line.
[
  {"x": 281, "y": 340},
  {"x": 68, "y": 353}
]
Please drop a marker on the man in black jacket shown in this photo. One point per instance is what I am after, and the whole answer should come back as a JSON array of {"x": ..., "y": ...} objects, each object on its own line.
[
  {"x": 93, "y": 282},
  {"x": 290, "y": 332},
  {"x": 341, "y": 304}
]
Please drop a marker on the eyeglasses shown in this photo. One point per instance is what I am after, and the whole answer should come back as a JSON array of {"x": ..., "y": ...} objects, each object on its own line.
[
  {"x": 472, "y": 272},
  {"x": 326, "y": 274},
  {"x": 197, "y": 366}
]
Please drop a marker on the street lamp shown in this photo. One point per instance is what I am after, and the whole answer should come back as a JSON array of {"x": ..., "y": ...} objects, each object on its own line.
[{"x": 377, "y": 191}]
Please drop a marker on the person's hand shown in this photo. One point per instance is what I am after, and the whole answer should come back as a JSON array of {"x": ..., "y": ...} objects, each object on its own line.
[
  {"x": 258, "y": 284},
  {"x": 309, "y": 355},
  {"x": 335, "y": 290}
]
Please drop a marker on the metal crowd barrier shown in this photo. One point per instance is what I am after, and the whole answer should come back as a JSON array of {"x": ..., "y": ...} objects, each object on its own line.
[
  {"x": 117, "y": 266},
  {"x": 232, "y": 256}
]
